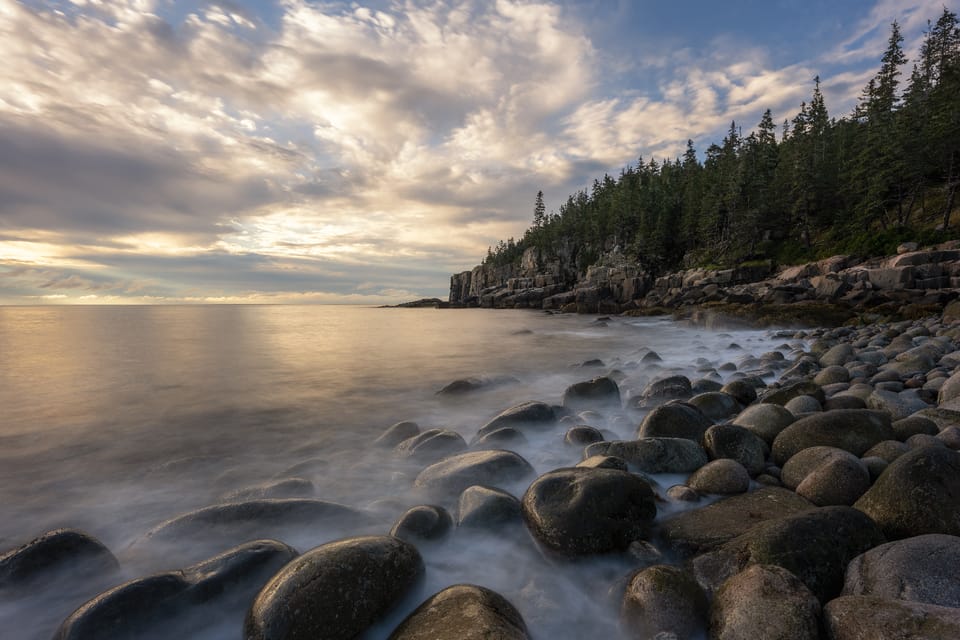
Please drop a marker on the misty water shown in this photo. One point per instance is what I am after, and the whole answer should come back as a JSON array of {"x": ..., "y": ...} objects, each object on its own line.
[{"x": 115, "y": 419}]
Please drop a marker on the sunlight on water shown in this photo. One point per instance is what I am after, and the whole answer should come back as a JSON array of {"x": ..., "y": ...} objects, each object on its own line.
[{"x": 116, "y": 419}]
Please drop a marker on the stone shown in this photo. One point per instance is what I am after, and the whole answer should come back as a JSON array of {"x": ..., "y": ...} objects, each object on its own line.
[
  {"x": 529, "y": 415},
  {"x": 832, "y": 375},
  {"x": 764, "y": 601},
  {"x": 577, "y": 511},
  {"x": 599, "y": 393},
  {"x": 653, "y": 455},
  {"x": 888, "y": 450},
  {"x": 463, "y": 612},
  {"x": 854, "y": 430},
  {"x": 431, "y": 445},
  {"x": 790, "y": 391},
  {"x": 765, "y": 420},
  {"x": 828, "y": 475},
  {"x": 336, "y": 590},
  {"x": 869, "y": 617},
  {"x": 898, "y": 405},
  {"x": 737, "y": 443},
  {"x": 919, "y": 569},
  {"x": 950, "y": 389},
  {"x": 918, "y": 493},
  {"x": 802, "y": 405},
  {"x": 675, "y": 420},
  {"x": 165, "y": 600},
  {"x": 912, "y": 425},
  {"x": 715, "y": 405},
  {"x": 694, "y": 532},
  {"x": 397, "y": 433},
  {"x": 481, "y": 507},
  {"x": 604, "y": 462},
  {"x": 663, "y": 601},
  {"x": 454, "y": 474},
  {"x": 581, "y": 435},
  {"x": 838, "y": 355},
  {"x": 283, "y": 488},
  {"x": 744, "y": 392},
  {"x": 816, "y": 546},
  {"x": 670, "y": 388},
  {"x": 422, "y": 523},
  {"x": 502, "y": 438},
  {"x": 48, "y": 555},
  {"x": 469, "y": 385},
  {"x": 723, "y": 476}
]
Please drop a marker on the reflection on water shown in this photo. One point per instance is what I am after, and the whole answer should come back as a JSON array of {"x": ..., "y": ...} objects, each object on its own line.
[{"x": 113, "y": 419}]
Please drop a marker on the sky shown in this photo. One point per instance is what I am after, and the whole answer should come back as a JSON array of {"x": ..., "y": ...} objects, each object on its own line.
[{"x": 288, "y": 151}]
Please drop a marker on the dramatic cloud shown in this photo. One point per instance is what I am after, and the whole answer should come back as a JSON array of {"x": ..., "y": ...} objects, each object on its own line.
[{"x": 315, "y": 151}]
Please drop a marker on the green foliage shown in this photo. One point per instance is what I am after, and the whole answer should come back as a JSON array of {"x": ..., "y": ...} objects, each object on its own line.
[{"x": 861, "y": 184}]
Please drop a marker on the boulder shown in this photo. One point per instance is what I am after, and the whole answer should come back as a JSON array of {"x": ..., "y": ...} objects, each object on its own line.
[
  {"x": 653, "y": 455},
  {"x": 45, "y": 557},
  {"x": 529, "y": 415},
  {"x": 463, "y": 612},
  {"x": 283, "y": 488},
  {"x": 723, "y": 476},
  {"x": 802, "y": 405},
  {"x": 826, "y": 476},
  {"x": 336, "y": 590},
  {"x": 581, "y": 435},
  {"x": 838, "y": 355},
  {"x": 918, "y": 493},
  {"x": 950, "y": 389},
  {"x": 578, "y": 511},
  {"x": 854, "y": 430},
  {"x": 898, "y": 404},
  {"x": 737, "y": 443},
  {"x": 502, "y": 438},
  {"x": 765, "y": 420},
  {"x": 919, "y": 569},
  {"x": 664, "y": 389},
  {"x": 912, "y": 425},
  {"x": 716, "y": 405},
  {"x": 790, "y": 391},
  {"x": 832, "y": 375},
  {"x": 604, "y": 462},
  {"x": 423, "y": 522},
  {"x": 744, "y": 392},
  {"x": 694, "y": 532},
  {"x": 764, "y": 601},
  {"x": 816, "y": 546},
  {"x": 453, "y": 475},
  {"x": 397, "y": 433},
  {"x": 599, "y": 393},
  {"x": 483, "y": 507},
  {"x": 869, "y": 617},
  {"x": 663, "y": 601},
  {"x": 888, "y": 450},
  {"x": 675, "y": 420},
  {"x": 163, "y": 602},
  {"x": 431, "y": 445}
]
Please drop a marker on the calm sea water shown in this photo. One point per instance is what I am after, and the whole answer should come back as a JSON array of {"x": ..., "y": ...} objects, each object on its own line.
[{"x": 114, "y": 419}]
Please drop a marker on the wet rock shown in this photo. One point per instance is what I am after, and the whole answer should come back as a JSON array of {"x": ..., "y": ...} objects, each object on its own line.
[
  {"x": 716, "y": 405},
  {"x": 45, "y": 557},
  {"x": 722, "y": 476},
  {"x": 950, "y": 437},
  {"x": 529, "y": 415},
  {"x": 790, "y": 391},
  {"x": 396, "y": 434},
  {"x": 423, "y": 522},
  {"x": 599, "y": 393},
  {"x": 502, "y": 438},
  {"x": 875, "y": 466},
  {"x": 832, "y": 375},
  {"x": 838, "y": 355},
  {"x": 764, "y": 601},
  {"x": 336, "y": 590},
  {"x": 816, "y": 546},
  {"x": 604, "y": 462},
  {"x": 463, "y": 612},
  {"x": 579, "y": 511},
  {"x": 765, "y": 420},
  {"x": 675, "y": 420},
  {"x": 919, "y": 569},
  {"x": 483, "y": 507},
  {"x": 737, "y": 443},
  {"x": 898, "y": 404},
  {"x": 464, "y": 386},
  {"x": 843, "y": 401},
  {"x": 868, "y": 617},
  {"x": 283, "y": 488},
  {"x": 950, "y": 389},
  {"x": 161, "y": 602},
  {"x": 744, "y": 392},
  {"x": 431, "y": 445},
  {"x": 453, "y": 475},
  {"x": 682, "y": 493},
  {"x": 888, "y": 450},
  {"x": 704, "y": 385},
  {"x": 581, "y": 435},
  {"x": 653, "y": 455},
  {"x": 912, "y": 425},
  {"x": 802, "y": 405},
  {"x": 670, "y": 388},
  {"x": 694, "y": 532},
  {"x": 854, "y": 430},
  {"x": 918, "y": 493},
  {"x": 666, "y": 600}
]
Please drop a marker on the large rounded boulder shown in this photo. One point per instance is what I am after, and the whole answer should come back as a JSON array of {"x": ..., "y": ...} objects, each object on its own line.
[
  {"x": 431, "y": 445},
  {"x": 599, "y": 393},
  {"x": 737, "y": 443},
  {"x": 675, "y": 420},
  {"x": 454, "y": 474},
  {"x": 826, "y": 476},
  {"x": 579, "y": 511},
  {"x": 336, "y": 590},
  {"x": 463, "y": 612},
  {"x": 853, "y": 430},
  {"x": 765, "y": 421},
  {"x": 918, "y": 493},
  {"x": 653, "y": 455},
  {"x": 764, "y": 601},
  {"x": 46, "y": 556},
  {"x": 529, "y": 415},
  {"x": 863, "y": 617},
  {"x": 663, "y": 601}
]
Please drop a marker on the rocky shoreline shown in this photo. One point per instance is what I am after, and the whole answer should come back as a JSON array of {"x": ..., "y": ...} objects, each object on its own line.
[
  {"x": 820, "y": 499},
  {"x": 912, "y": 284}
]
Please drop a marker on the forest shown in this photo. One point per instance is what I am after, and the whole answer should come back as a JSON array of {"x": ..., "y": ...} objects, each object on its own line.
[{"x": 859, "y": 184}]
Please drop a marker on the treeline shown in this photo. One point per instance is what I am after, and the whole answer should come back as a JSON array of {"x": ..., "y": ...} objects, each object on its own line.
[{"x": 858, "y": 184}]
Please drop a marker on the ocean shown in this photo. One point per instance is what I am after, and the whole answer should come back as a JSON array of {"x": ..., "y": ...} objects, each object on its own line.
[{"x": 115, "y": 419}]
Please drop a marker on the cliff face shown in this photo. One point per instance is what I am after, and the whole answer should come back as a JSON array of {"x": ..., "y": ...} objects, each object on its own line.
[{"x": 614, "y": 284}]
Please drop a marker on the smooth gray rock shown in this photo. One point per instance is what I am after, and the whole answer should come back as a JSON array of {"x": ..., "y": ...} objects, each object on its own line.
[
  {"x": 336, "y": 590},
  {"x": 854, "y": 430},
  {"x": 666, "y": 600},
  {"x": 723, "y": 476},
  {"x": 675, "y": 420},
  {"x": 744, "y": 392},
  {"x": 826, "y": 476},
  {"x": 431, "y": 445},
  {"x": 670, "y": 388},
  {"x": 282, "y": 488},
  {"x": 737, "y": 443},
  {"x": 598, "y": 393},
  {"x": 579, "y": 511},
  {"x": 870, "y": 617},
  {"x": 898, "y": 404},
  {"x": 912, "y": 425},
  {"x": 581, "y": 435},
  {"x": 653, "y": 455},
  {"x": 918, "y": 493},
  {"x": 950, "y": 390},
  {"x": 838, "y": 355},
  {"x": 604, "y": 462},
  {"x": 529, "y": 415},
  {"x": 397, "y": 433},
  {"x": 765, "y": 420},
  {"x": 764, "y": 601},
  {"x": 788, "y": 392},
  {"x": 422, "y": 523},
  {"x": 832, "y": 375},
  {"x": 502, "y": 438},
  {"x": 919, "y": 569},
  {"x": 463, "y": 612},
  {"x": 802, "y": 405},
  {"x": 483, "y": 507},
  {"x": 715, "y": 405},
  {"x": 45, "y": 557},
  {"x": 454, "y": 474},
  {"x": 888, "y": 450}
]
